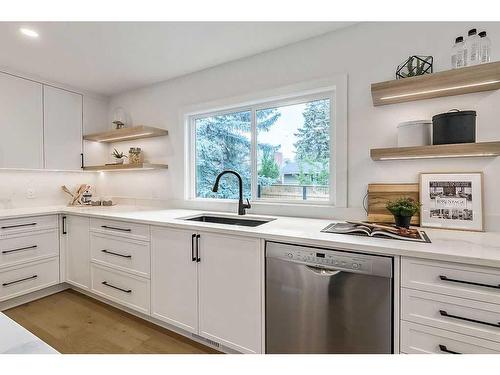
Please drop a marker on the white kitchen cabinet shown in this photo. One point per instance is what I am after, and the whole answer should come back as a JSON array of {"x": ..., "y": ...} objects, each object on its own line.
[
  {"x": 21, "y": 140},
  {"x": 174, "y": 294},
  {"x": 77, "y": 250},
  {"x": 229, "y": 282},
  {"x": 62, "y": 116}
]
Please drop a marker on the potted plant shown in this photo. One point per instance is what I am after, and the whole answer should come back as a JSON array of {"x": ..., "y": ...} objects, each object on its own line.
[
  {"x": 119, "y": 156},
  {"x": 403, "y": 209}
]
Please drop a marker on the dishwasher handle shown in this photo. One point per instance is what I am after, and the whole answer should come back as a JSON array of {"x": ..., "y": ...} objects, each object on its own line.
[{"x": 323, "y": 272}]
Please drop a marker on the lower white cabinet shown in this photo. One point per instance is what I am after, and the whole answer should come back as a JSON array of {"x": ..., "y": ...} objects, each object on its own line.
[
  {"x": 29, "y": 277},
  {"x": 121, "y": 287},
  {"x": 76, "y": 242},
  {"x": 209, "y": 284},
  {"x": 229, "y": 282},
  {"x": 449, "y": 308},
  {"x": 174, "y": 288},
  {"x": 421, "y": 339}
]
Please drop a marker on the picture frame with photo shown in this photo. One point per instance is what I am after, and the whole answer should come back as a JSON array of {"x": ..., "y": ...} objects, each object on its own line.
[{"x": 452, "y": 200}]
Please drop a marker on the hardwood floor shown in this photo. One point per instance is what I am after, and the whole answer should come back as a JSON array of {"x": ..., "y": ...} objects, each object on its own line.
[{"x": 71, "y": 322}]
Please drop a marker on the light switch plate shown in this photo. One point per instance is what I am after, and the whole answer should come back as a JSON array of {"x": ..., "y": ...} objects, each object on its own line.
[{"x": 30, "y": 193}]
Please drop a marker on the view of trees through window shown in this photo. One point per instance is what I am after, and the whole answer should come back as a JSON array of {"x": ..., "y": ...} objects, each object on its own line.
[{"x": 293, "y": 152}]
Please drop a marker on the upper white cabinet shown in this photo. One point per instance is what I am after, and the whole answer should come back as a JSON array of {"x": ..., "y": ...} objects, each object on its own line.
[
  {"x": 21, "y": 142},
  {"x": 62, "y": 118}
]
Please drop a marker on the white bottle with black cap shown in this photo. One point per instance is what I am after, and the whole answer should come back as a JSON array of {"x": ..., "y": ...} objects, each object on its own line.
[
  {"x": 458, "y": 53},
  {"x": 484, "y": 47},
  {"x": 472, "y": 47}
]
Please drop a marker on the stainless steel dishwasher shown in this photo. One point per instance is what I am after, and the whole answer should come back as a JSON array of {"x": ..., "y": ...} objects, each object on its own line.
[{"x": 327, "y": 301}]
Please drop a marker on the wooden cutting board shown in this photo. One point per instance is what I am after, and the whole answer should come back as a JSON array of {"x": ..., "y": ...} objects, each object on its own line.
[{"x": 380, "y": 194}]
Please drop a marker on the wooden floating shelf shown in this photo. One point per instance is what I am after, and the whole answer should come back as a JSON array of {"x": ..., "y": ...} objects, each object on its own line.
[
  {"x": 483, "y": 77},
  {"x": 458, "y": 150},
  {"x": 124, "y": 167},
  {"x": 126, "y": 134}
]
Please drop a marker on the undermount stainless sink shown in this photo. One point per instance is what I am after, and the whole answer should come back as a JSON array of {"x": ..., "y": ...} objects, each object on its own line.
[{"x": 230, "y": 220}]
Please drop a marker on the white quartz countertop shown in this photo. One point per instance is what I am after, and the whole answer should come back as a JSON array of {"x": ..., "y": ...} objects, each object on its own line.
[
  {"x": 482, "y": 248},
  {"x": 14, "y": 339}
]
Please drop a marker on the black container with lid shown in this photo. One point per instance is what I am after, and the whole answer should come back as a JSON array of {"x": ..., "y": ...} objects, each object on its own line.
[{"x": 454, "y": 127}]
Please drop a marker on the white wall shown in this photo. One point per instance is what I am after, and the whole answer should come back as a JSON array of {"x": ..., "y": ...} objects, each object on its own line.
[{"x": 368, "y": 53}]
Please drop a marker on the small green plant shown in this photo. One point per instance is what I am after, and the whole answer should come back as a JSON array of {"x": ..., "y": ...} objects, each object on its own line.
[
  {"x": 403, "y": 207},
  {"x": 118, "y": 154}
]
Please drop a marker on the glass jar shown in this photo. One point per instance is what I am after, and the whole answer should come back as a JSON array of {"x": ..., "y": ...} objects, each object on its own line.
[{"x": 135, "y": 155}]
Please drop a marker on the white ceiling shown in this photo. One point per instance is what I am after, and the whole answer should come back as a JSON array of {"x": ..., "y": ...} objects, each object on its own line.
[{"x": 111, "y": 57}]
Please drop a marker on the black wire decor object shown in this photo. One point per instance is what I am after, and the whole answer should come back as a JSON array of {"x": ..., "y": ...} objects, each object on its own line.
[{"x": 415, "y": 66}]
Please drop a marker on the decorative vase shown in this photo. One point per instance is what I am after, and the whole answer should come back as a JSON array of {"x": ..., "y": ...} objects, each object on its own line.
[
  {"x": 402, "y": 221},
  {"x": 119, "y": 161}
]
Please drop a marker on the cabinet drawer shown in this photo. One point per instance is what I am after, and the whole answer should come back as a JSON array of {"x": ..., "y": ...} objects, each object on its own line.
[
  {"x": 121, "y": 228},
  {"x": 120, "y": 287},
  {"x": 25, "y": 224},
  {"x": 417, "y": 338},
  {"x": 19, "y": 280},
  {"x": 474, "y": 282},
  {"x": 123, "y": 253},
  {"x": 28, "y": 247},
  {"x": 460, "y": 315}
]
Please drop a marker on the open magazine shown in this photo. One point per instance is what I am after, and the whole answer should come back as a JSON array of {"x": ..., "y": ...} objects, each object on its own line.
[{"x": 361, "y": 228}]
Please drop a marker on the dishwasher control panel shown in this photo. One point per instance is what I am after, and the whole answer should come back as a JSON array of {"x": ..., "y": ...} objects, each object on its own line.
[
  {"x": 326, "y": 258},
  {"x": 331, "y": 259}
]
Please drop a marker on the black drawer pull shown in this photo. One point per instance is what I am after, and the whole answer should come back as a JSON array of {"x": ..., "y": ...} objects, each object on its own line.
[
  {"x": 18, "y": 226},
  {"x": 445, "y": 278},
  {"x": 193, "y": 256},
  {"x": 20, "y": 249},
  {"x": 64, "y": 231},
  {"x": 444, "y": 313},
  {"x": 20, "y": 280},
  {"x": 117, "y": 254},
  {"x": 116, "y": 287},
  {"x": 444, "y": 349},
  {"x": 198, "y": 257},
  {"x": 115, "y": 228}
]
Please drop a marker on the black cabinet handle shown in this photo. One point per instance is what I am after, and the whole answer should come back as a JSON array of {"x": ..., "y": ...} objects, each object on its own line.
[
  {"x": 116, "y": 287},
  {"x": 18, "y": 225},
  {"x": 20, "y": 249},
  {"x": 81, "y": 160},
  {"x": 115, "y": 228},
  {"x": 444, "y": 313},
  {"x": 64, "y": 231},
  {"x": 198, "y": 258},
  {"x": 193, "y": 256},
  {"x": 117, "y": 254},
  {"x": 445, "y": 278},
  {"x": 20, "y": 280},
  {"x": 444, "y": 349}
]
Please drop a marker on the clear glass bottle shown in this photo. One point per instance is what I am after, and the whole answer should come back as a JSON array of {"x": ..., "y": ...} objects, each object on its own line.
[
  {"x": 472, "y": 48},
  {"x": 458, "y": 53},
  {"x": 484, "y": 47}
]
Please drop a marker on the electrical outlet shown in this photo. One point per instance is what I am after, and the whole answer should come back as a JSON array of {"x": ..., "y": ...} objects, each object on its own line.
[{"x": 30, "y": 193}]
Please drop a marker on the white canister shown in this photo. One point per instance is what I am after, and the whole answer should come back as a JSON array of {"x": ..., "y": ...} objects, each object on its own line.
[{"x": 415, "y": 133}]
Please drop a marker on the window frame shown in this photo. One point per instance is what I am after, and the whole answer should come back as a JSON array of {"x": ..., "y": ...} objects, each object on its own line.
[{"x": 296, "y": 94}]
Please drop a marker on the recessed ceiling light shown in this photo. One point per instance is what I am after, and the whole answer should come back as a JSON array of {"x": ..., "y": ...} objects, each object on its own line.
[{"x": 28, "y": 32}]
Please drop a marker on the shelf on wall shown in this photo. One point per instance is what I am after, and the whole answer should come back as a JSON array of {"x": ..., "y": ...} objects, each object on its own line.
[
  {"x": 122, "y": 167},
  {"x": 459, "y": 150},
  {"x": 466, "y": 80},
  {"x": 126, "y": 134}
]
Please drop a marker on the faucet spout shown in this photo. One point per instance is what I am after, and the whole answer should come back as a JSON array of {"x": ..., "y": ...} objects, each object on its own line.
[{"x": 241, "y": 206}]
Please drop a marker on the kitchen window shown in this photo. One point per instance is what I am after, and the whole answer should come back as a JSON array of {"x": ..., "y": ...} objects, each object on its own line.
[{"x": 284, "y": 150}]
